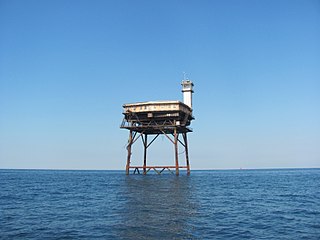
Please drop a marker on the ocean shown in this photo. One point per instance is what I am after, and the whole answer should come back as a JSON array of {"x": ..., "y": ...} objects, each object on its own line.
[{"x": 224, "y": 204}]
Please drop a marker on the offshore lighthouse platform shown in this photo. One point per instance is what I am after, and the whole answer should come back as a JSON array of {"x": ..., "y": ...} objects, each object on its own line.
[{"x": 151, "y": 119}]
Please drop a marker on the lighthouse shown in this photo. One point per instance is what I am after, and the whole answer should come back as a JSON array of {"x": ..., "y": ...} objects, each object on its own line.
[
  {"x": 148, "y": 120},
  {"x": 187, "y": 90}
]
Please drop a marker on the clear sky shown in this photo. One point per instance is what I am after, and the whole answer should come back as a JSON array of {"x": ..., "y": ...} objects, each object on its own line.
[{"x": 67, "y": 66}]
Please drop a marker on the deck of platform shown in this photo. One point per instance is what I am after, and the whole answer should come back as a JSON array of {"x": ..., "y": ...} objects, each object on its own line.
[{"x": 157, "y": 117}]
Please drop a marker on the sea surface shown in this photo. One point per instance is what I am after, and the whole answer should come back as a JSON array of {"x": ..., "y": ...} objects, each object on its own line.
[{"x": 225, "y": 204}]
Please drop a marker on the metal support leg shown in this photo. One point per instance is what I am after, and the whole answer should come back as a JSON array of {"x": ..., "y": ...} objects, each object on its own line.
[
  {"x": 176, "y": 135},
  {"x": 145, "y": 144},
  {"x": 186, "y": 152},
  {"x": 129, "y": 152}
]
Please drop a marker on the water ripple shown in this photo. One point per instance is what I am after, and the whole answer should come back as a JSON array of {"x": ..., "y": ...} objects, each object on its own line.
[{"x": 260, "y": 204}]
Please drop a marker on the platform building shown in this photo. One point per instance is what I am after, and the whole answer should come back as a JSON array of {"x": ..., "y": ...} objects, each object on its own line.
[{"x": 152, "y": 119}]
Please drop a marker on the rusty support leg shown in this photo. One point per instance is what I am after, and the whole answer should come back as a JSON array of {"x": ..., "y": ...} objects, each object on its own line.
[
  {"x": 186, "y": 152},
  {"x": 176, "y": 135},
  {"x": 129, "y": 152},
  {"x": 145, "y": 144}
]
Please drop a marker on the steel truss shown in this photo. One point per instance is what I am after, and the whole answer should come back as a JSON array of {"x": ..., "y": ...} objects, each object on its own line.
[{"x": 134, "y": 135}]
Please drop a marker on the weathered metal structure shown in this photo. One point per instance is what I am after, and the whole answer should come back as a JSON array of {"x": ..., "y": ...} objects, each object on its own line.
[{"x": 169, "y": 118}]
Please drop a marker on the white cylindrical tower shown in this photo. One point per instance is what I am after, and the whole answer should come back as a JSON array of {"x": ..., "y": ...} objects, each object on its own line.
[{"x": 187, "y": 89}]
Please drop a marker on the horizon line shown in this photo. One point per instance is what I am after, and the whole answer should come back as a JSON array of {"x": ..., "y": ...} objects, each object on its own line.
[{"x": 197, "y": 169}]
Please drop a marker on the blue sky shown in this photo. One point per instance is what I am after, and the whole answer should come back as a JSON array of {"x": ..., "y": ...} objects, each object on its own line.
[{"x": 66, "y": 68}]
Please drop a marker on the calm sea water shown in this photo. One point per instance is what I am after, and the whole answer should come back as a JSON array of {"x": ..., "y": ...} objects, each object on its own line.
[{"x": 247, "y": 204}]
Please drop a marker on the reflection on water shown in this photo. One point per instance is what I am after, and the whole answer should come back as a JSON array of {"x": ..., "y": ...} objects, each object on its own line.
[{"x": 158, "y": 206}]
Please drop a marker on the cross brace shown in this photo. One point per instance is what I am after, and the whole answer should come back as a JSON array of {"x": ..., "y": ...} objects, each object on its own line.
[{"x": 134, "y": 136}]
